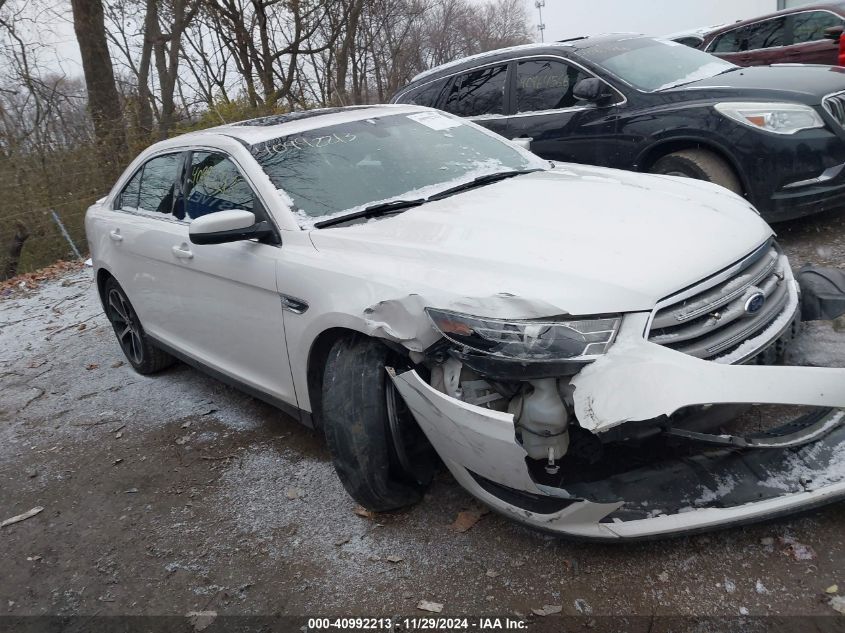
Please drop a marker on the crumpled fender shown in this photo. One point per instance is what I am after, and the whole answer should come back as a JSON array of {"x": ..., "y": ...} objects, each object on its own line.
[
  {"x": 638, "y": 380},
  {"x": 404, "y": 320}
]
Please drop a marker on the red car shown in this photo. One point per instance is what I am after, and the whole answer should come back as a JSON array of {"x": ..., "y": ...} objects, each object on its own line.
[{"x": 807, "y": 35}]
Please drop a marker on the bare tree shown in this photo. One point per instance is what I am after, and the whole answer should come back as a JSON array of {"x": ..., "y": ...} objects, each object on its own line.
[{"x": 103, "y": 100}]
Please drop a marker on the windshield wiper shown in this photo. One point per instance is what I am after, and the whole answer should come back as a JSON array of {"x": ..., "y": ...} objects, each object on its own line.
[
  {"x": 373, "y": 211},
  {"x": 397, "y": 206},
  {"x": 479, "y": 182}
]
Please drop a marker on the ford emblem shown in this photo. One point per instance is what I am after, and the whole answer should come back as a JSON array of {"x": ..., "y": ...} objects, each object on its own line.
[{"x": 755, "y": 303}]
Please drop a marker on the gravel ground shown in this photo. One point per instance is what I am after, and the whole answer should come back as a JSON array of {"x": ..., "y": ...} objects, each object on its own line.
[{"x": 174, "y": 493}]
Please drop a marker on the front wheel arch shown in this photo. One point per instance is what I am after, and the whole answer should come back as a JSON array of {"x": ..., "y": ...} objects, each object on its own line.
[
  {"x": 317, "y": 357},
  {"x": 385, "y": 462},
  {"x": 661, "y": 149}
]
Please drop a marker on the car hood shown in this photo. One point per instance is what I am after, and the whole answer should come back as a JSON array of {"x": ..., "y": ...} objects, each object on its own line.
[
  {"x": 803, "y": 83},
  {"x": 576, "y": 240}
]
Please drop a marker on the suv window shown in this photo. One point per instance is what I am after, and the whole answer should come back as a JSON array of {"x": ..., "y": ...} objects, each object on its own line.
[
  {"x": 543, "y": 84},
  {"x": 810, "y": 26},
  {"x": 693, "y": 41},
  {"x": 158, "y": 183},
  {"x": 730, "y": 42},
  {"x": 426, "y": 95},
  {"x": 766, "y": 34},
  {"x": 478, "y": 92},
  {"x": 215, "y": 184}
]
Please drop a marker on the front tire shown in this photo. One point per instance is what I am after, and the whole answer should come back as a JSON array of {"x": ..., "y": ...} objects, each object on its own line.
[
  {"x": 380, "y": 454},
  {"x": 701, "y": 165},
  {"x": 145, "y": 357}
]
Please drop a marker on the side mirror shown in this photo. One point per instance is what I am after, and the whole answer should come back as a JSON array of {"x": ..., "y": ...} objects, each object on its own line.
[
  {"x": 591, "y": 90},
  {"x": 228, "y": 226},
  {"x": 833, "y": 33}
]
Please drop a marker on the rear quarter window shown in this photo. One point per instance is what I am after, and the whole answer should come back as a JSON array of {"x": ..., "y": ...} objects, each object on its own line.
[
  {"x": 730, "y": 42},
  {"x": 425, "y": 95}
]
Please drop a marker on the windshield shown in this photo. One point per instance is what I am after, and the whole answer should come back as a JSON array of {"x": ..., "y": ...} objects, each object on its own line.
[
  {"x": 340, "y": 169},
  {"x": 651, "y": 65}
]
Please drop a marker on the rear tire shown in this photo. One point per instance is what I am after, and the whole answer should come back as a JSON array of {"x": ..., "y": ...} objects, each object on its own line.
[
  {"x": 701, "y": 165},
  {"x": 145, "y": 357},
  {"x": 359, "y": 408}
]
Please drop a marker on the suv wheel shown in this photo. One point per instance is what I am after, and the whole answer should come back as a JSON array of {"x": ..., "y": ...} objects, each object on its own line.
[
  {"x": 379, "y": 452},
  {"x": 136, "y": 346},
  {"x": 701, "y": 165}
]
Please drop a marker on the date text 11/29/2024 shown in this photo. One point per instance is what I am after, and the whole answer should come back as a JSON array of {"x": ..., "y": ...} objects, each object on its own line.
[{"x": 423, "y": 623}]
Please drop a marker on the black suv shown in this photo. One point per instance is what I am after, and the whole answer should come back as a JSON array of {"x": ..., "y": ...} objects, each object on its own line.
[{"x": 773, "y": 134}]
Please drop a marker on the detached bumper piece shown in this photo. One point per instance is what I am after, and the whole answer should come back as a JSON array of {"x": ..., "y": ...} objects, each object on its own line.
[
  {"x": 798, "y": 466},
  {"x": 805, "y": 430},
  {"x": 731, "y": 482}
]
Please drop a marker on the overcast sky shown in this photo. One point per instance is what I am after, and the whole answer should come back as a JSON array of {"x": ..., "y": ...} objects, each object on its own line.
[
  {"x": 571, "y": 18},
  {"x": 563, "y": 18}
]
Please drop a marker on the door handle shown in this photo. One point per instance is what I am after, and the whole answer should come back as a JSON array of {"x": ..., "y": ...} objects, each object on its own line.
[
  {"x": 182, "y": 251},
  {"x": 116, "y": 236}
]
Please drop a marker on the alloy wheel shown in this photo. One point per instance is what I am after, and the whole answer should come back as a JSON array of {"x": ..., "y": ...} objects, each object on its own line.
[{"x": 126, "y": 326}]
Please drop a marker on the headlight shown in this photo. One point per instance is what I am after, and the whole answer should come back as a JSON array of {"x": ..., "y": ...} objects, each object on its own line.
[
  {"x": 778, "y": 118},
  {"x": 530, "y": 341}
]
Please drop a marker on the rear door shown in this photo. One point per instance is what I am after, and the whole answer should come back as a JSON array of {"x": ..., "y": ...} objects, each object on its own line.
[
  {"x": 560, "y": 126},
  {"x": 729, "y": 46},
  {"x": 140, "y": 238},
  {"x": 766, "y": 42},
  {"x": 481, "y": 96},
  {"x": 809, "y": 45},
  {"x": 755, "y": 44}
]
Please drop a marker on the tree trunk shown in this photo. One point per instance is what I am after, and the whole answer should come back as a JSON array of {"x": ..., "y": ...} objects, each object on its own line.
[
  {"x": 103, "y": 99},
  {"x": 145, "y": 110},
  {"x": 15, "y": 248},
  {"x": 346, "y": 50}
]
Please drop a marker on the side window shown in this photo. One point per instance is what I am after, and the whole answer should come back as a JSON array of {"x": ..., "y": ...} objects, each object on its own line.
[
  {"x": 730, "y": 42},
  {"x": 546, "y": 85},
  {"x": 766, "y": 34},
  {"x": 128, "y": 198},
  {"x": 810, "y": 26},
  {"x": 426, "y": 95},
  {"x": 453, "y": 91},
  {"x": 215, "y": 184},
  {"x": 158, "y": 183},
  {"x": 480, "y": 92}
]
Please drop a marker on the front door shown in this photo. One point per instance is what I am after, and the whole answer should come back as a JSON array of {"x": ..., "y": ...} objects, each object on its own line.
[
  {"x": 229, "y": 313},
  {"x": 809, "y": 45},
  {"x": 560, "y": 126}
]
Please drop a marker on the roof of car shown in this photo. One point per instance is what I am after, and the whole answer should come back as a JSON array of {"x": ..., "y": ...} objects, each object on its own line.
[
  {"x": 254, "y": 131},
  {"x": 838, "y": 7},
  {"x": 697, "y": 32},
  {"x": 572, "y": 44}
]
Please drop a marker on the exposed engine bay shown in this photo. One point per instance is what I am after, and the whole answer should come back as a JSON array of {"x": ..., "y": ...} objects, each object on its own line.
[{"x": 644, "y": 440}]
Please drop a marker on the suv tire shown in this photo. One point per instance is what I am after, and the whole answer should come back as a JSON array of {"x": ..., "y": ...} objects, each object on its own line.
[{"x": 701, "y": 165}]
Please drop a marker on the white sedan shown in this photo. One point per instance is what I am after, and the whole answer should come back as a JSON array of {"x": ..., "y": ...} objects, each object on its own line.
[{"x": 570, "y": 341}]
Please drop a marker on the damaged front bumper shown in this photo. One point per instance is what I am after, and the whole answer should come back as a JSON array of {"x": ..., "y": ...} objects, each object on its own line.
[{"x": 638, "y": 381}]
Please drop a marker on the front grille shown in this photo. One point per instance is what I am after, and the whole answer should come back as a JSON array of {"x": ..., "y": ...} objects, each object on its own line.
[
  {"x": 835, "y": 106},
  {"x": 716, "y": 320}
]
